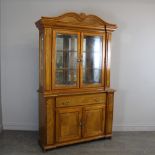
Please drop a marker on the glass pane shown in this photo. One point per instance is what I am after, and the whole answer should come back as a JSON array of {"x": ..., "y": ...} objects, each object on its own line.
[
  {"x": 92, "y": 59},
  {"x": 66, "y": 59},
  {"x": 66, "y": 76}
]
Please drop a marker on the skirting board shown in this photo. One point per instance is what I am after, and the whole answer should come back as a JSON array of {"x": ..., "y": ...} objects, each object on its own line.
[
  {"x": 17, "y": 126},
  {"x": 134, "y": 128},
  {"x": 34, "y": 127}
]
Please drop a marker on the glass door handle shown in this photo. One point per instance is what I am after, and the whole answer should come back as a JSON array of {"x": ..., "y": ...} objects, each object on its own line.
[
  {"x": 80, "y": 124},
  {"x": 78, "y": 60}
]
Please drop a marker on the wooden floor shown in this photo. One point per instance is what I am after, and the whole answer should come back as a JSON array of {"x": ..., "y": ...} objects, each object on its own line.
[{"x": 122, "y": 143}]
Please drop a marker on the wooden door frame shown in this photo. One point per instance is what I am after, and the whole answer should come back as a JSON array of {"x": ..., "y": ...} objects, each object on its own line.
[
  {"x": 54, "y": 87},
  {"x": 103, "y": 59}
]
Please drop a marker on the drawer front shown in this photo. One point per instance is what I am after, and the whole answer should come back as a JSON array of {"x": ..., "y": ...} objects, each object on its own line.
[{"x": 80, "y": 100}]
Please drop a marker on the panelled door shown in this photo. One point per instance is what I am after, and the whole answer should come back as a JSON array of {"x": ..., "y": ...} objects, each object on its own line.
[
  {"x": 71, "y": 125},
  {"x": 93, "y": 121},
  {"x": 65, "y": 59},
  {"x": 68, "y": 124}
]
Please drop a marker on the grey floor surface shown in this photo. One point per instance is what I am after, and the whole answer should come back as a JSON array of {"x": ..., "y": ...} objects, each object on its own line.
[{"x": 122, "y": 143}]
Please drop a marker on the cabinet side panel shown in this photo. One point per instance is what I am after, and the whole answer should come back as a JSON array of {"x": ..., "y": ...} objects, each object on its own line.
[
  {"x": 41, "y": 61},
  {"x": 103, "y": 59},
  {"x": 48, "y": 46},
  {"x": 108, "y": 58},
  {"x": 50, "y": 118},
  {"x": 42, "y": 120},
  {"x": 109, "y": 114}
]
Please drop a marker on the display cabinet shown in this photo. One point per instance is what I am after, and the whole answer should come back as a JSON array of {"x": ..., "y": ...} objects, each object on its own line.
[{"x": 75, "y": 98}]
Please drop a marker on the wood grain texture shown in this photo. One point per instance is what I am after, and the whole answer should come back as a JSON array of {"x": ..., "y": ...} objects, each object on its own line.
[
  {"x": 78, "y": 100},
  {"x": 50, "y": 119},
  {"x": 109, "y": 113},
  {"x": 42, "y": 120},
  {"x": 69, "y": 113},
  {"x": 47, "y": 147},
  {"x": 77, "y": 21},
  {"x": 68, "y": 121},
  {"x": 93, "y": 120},
  {"x": 47, "y": 51},
  {"x": 108, "y": 59}
]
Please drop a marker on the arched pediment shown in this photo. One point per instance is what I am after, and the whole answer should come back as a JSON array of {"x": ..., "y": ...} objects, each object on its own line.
[{"x": 75, "y": 19}]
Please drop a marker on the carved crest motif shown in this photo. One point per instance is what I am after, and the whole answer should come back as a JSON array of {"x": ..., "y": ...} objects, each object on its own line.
[{"x": 74, "y": 19}]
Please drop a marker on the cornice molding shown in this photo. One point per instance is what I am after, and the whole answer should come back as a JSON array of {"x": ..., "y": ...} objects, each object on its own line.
[{"x": 76, "y": 20}]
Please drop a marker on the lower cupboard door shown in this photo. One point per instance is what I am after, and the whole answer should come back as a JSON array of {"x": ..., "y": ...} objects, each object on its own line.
[
  {"x": 93, "y": 121},
  {"x": 68, "y": 124}
]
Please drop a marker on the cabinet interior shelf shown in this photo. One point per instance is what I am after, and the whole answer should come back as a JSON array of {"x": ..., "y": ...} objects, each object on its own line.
[{"x": 62, "y": 51}]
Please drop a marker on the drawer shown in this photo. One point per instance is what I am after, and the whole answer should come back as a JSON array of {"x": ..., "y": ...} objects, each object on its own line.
[{"x": 80, "y": 100}]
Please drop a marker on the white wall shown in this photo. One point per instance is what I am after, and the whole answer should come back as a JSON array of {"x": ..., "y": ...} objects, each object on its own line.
[{"x": 133, "y": 56}]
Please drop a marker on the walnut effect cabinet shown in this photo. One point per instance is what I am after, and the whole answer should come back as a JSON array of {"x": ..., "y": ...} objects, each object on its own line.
[{"x": 75, "y": 98}]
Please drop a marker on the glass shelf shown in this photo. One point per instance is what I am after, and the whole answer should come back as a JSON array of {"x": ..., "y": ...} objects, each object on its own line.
[
  {"x": 62, "y": 51},
  {"x": 65, "y": 69}
]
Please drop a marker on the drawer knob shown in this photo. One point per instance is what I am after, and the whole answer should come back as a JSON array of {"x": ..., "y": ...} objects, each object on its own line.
[
  {"x": 96, "y": 100},
  {"x": 65, "y": 103},
  {"x": 82, "y": 124},
  {"x": 78, "y": 60}
]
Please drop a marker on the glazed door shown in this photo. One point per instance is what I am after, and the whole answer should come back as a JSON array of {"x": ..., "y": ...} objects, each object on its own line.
[
  {"x": 93, "y": 121},
  {"x": 68, "y": 124},
  {"x": 92, "y": 53},
  {"x": 65, "y": 59}
]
